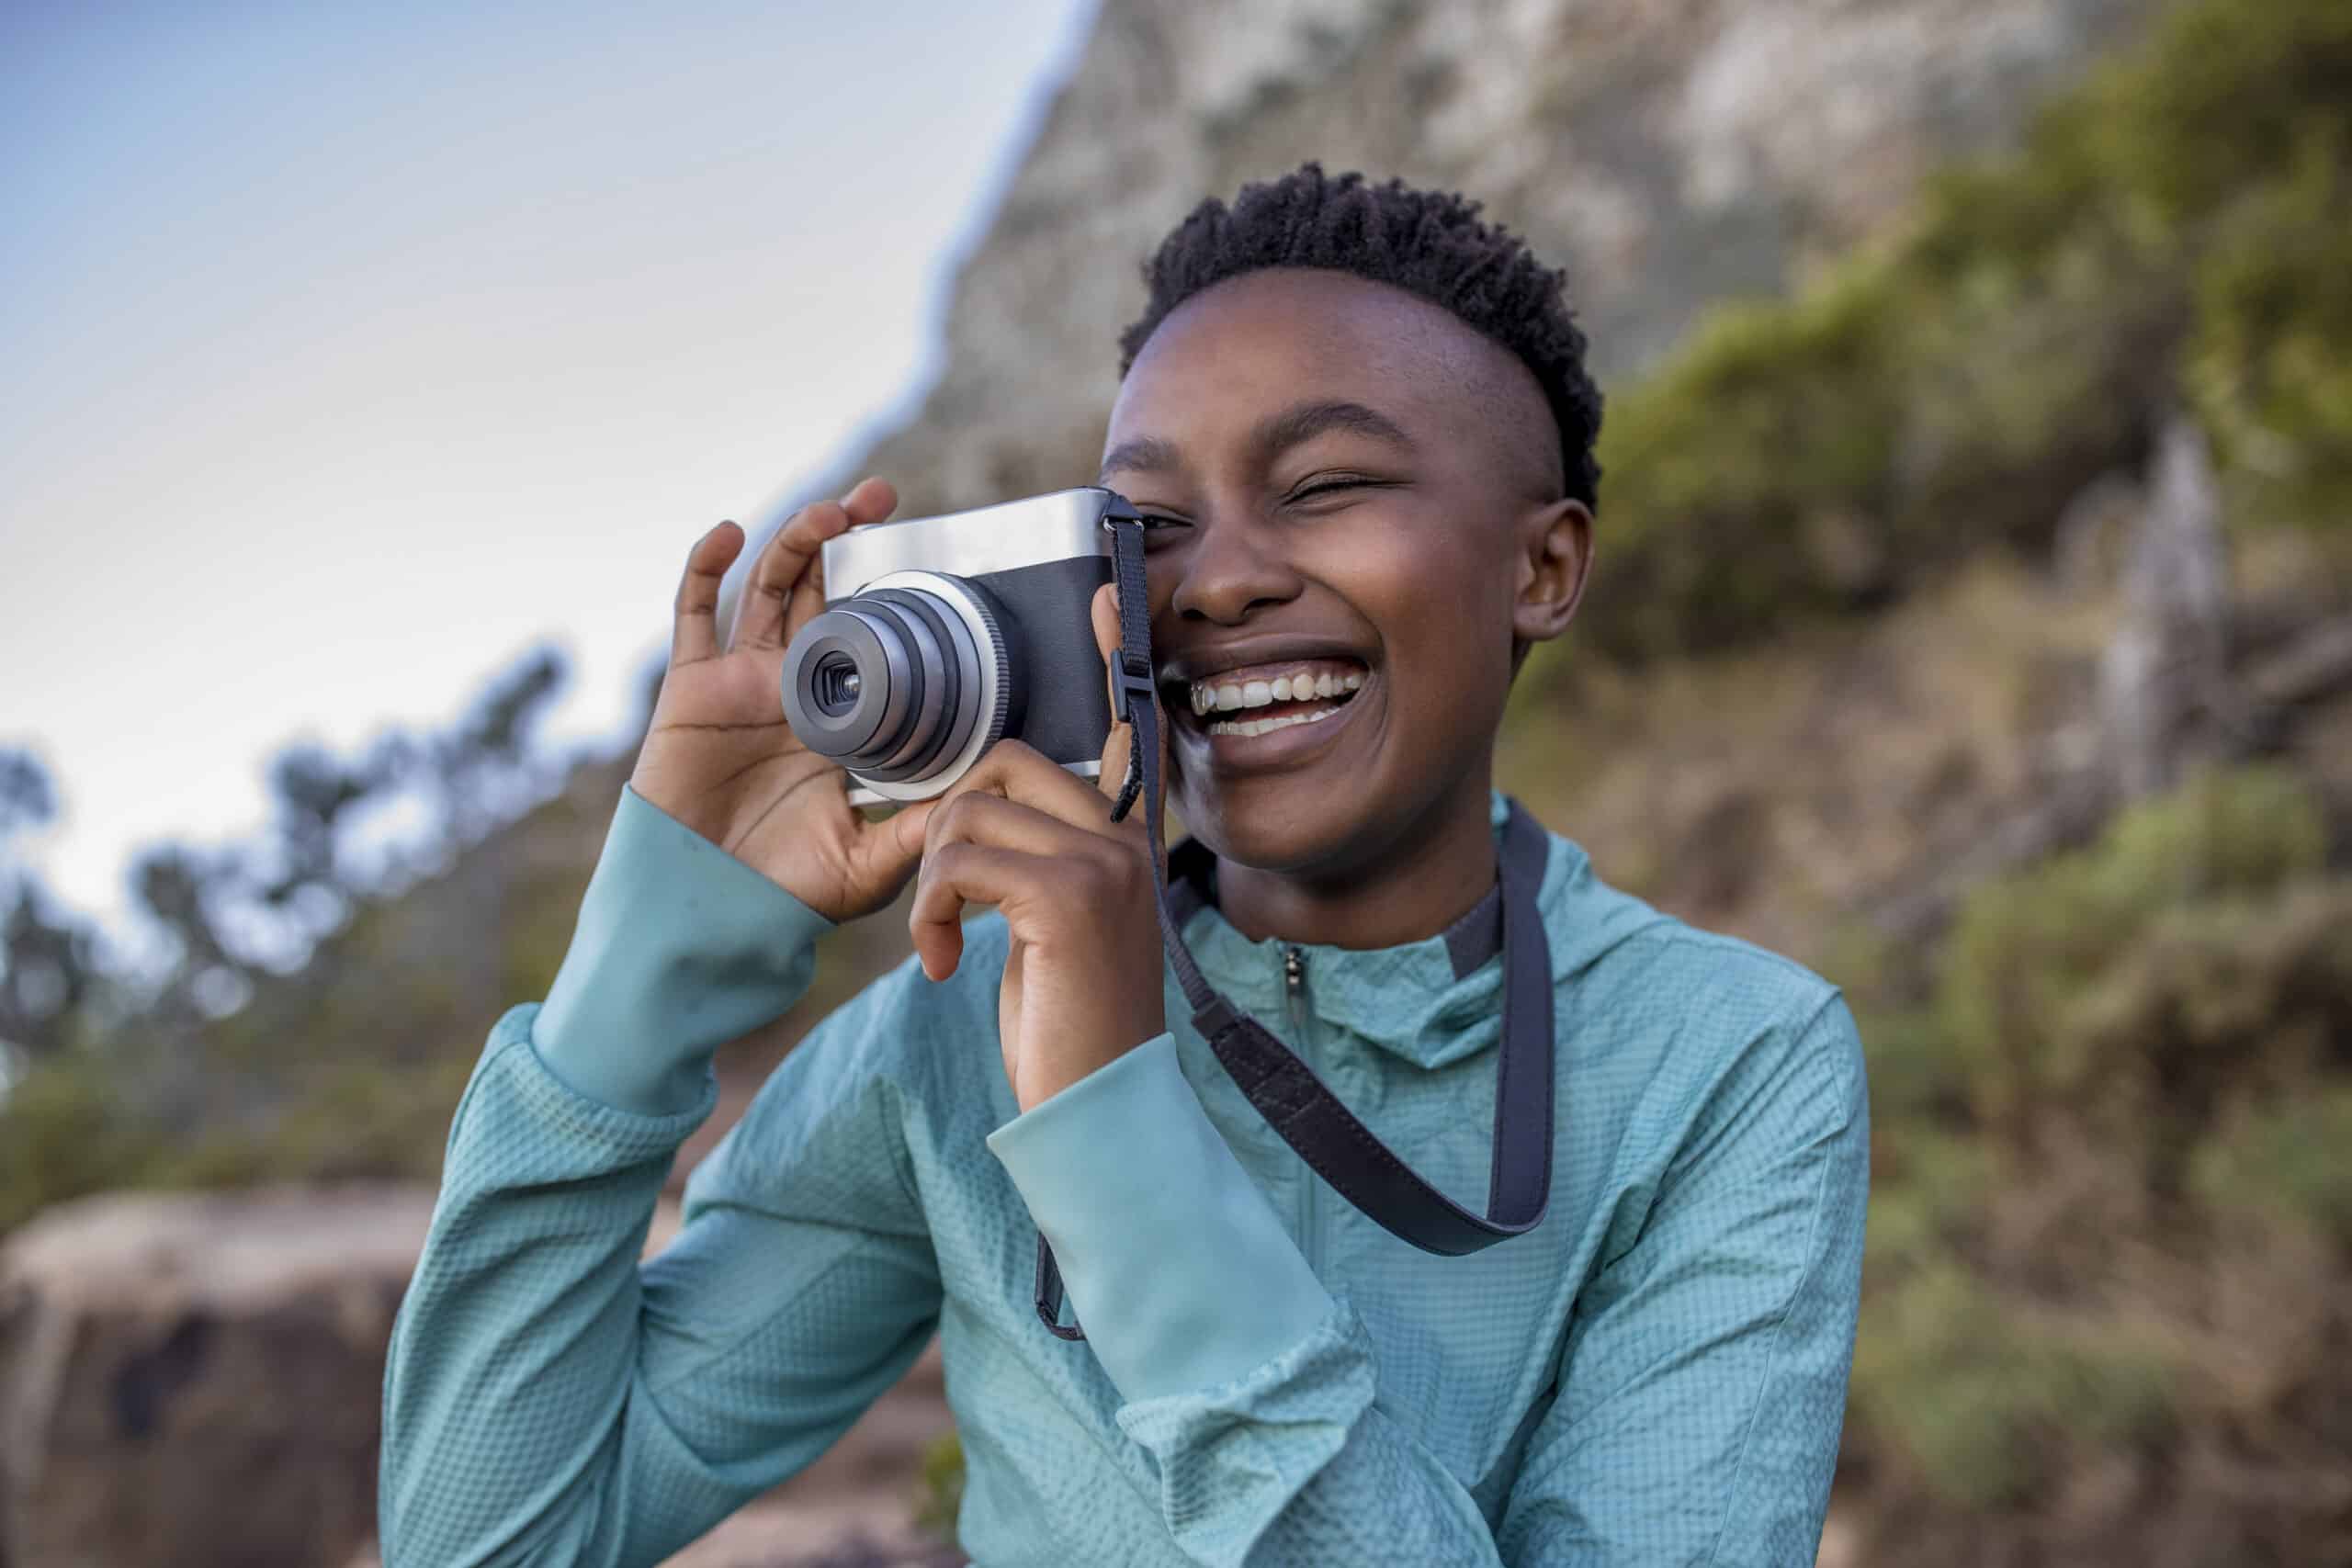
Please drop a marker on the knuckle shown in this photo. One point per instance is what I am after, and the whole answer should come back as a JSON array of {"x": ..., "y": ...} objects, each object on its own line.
[
  {"x": 1093, "y": 874},
  {"x": 1010, "y": 754},
  {"x": 957, "y": 818},
  {"x": 1123, "y": 868},
  {"x": 1082, "y": 879}
]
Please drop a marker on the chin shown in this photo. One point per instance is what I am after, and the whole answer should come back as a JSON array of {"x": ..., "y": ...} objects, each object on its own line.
[{"x": 1297, "y": 824}]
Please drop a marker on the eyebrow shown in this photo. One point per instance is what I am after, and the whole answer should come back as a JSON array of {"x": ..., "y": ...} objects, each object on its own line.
[{"x": 1273, "y": 436}]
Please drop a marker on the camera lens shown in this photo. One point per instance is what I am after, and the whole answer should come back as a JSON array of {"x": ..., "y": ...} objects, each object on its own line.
[
  {"x": 837, "y": 684},
  {"x": 903, "y": 684}
]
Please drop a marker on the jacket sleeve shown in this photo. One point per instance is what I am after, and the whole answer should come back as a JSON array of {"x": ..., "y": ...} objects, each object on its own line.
[
  {"x": 1248, "y": 1383},
  {"x": 547, "y": 1398},
  {"x": 1703, "y": 1386},
  {"x": 1701, "y": 1396}
]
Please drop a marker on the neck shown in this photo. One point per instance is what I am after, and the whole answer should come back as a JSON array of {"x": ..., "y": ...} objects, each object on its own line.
[{"x": 1433, "y": 872}]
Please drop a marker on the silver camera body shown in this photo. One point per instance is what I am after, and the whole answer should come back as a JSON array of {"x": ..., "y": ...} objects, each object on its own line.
[{"x": 941, "y": 636}]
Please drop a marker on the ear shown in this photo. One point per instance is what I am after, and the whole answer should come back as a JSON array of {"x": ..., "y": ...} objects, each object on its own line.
[{"x": 1554, "y": 560}]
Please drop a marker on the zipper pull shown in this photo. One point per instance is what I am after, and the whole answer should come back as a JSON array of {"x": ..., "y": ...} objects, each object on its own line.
[{"x": 1294, "y": 970}]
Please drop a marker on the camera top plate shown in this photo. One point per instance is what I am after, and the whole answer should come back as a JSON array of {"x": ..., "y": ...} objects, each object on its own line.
[{"x": 976, "y": 543}]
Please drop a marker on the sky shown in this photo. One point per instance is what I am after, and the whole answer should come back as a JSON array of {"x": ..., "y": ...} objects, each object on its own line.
[{"x": 348, "y": 352}]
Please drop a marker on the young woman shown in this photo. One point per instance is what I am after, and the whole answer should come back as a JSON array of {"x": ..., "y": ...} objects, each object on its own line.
[{"x": 1357, "y": 420}]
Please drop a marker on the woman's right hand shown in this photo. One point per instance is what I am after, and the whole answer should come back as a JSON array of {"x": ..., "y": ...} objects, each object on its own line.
[{"x": 718, "y": 756}]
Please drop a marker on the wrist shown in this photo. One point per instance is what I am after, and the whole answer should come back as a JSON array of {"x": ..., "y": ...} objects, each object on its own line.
[
  {"x": 1177, "y": 1266},
  {"x": 648, "y": 786},
  {"x": 1054, "y": 1071},
  {"x": 679, "y": 948}
]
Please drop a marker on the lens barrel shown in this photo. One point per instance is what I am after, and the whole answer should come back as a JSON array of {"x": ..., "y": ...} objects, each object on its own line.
[{"x": 903, "y": 684}]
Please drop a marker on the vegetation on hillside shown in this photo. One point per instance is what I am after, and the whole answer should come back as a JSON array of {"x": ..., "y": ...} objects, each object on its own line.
[
  {"x": 2174, "y": 232},
  {"x": 2110, "y": 1247},
  {"x": 316, "y": 1008}
]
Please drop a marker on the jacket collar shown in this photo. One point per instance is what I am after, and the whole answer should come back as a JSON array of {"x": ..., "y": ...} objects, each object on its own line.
[{"x": 1431, "y": 1002}]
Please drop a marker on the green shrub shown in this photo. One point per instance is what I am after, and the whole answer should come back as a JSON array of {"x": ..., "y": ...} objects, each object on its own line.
[
  {"x": 938, "y": 1495},
  {"x": 1929, "y": 1189},
  {"x": 2285, "y": 1162},
  {"x": 69, "y": 1129},
  {"x": 2177, "y": 229},
  {"x": 63, "y": 1134},
  {"x": 1773, "y": 416},
  {"x": 2020, "y": 996},
  {"x": 1985, "y": 1400},
  {"x": 2269, "y": 366}
]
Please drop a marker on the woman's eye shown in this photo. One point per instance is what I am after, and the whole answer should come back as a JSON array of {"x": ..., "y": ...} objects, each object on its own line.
[
  {"x": 1153, "y": 523},
  {"x": 1327, "y": 487}
]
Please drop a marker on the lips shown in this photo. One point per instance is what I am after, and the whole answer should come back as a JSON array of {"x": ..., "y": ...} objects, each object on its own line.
[{"x": 1263, "y": 701}]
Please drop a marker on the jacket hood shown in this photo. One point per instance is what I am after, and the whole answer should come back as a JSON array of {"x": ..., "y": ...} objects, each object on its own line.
[{"x": 1431, "y": 1002}]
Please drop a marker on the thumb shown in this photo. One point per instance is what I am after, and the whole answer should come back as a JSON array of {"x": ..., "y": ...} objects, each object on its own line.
[{"x": 892, "y": 846}]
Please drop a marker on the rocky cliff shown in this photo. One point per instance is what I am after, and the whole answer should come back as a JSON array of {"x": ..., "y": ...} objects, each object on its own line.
[{"x": 1666, "y": 152}]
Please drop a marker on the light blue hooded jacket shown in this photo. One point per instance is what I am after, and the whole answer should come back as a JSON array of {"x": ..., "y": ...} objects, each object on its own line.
[{"x": 1654, "y": 1375}]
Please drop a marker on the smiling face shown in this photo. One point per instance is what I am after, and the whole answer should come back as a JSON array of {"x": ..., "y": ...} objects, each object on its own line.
[{"x": 1361, "y": 513}]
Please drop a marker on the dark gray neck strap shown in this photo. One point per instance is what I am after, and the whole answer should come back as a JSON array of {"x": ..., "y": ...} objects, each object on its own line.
[{"x": 1295, "y": 1103}]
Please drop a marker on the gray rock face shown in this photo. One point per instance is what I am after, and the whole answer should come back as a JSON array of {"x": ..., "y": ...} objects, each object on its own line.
[
  {"x": 196, "y": 1379},
  {"x": 1664, "y": 151}
]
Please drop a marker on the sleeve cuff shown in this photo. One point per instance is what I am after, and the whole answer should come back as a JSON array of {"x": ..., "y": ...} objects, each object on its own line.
[
  {"x": 680, "y": 947},
  {"x": 1182, "y": 1274}
]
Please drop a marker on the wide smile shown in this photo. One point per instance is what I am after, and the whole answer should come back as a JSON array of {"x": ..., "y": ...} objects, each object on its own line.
[{"x": 1268, "y": 715}]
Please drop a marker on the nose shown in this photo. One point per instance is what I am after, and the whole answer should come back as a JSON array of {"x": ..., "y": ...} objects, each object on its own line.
[{"x": 1233, "y": 566}]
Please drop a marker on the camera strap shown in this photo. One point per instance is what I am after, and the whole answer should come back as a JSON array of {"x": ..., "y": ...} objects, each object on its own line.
[{"x": 1295, "y": 1103}]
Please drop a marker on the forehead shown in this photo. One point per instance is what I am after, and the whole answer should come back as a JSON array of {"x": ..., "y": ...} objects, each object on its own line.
[{"x": 1270, "y": 338}]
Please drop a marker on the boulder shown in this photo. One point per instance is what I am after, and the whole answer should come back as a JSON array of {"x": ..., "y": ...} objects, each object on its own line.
[{"x": 196, "y": 1379}]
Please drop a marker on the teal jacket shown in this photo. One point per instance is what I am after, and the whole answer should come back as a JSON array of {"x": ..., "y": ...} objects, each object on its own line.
[{"x": 1656, "y": 1374}]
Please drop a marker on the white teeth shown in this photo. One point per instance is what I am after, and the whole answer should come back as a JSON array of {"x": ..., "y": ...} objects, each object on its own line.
[
  {"x": 1261, "y": 725},
  {"x": 1208, "y": 697}
]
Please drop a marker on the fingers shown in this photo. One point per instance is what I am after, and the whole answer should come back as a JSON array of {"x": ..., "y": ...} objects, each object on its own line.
[
  {"x": 787, "y": 586},
  {"x": 1021, "y": 773},
  {"x": 961, "y": 873},
  {"x": 887, "y": 852},
  {"x": 983, "y": 849},
  {"x": 871, "y": 500},
  {"x": 694, "y": 636},
  {"x": 1012, "y": 825},
  {"x": 968, "y": 837},
  {"x": 787, "y": 563}
]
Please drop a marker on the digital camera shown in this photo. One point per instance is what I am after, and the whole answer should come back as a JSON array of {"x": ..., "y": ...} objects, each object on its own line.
[{"x": 941, "y": 636}]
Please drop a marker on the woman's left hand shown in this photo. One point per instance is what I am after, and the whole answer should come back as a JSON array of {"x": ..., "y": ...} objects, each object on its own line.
[{"x": 1082, "y": 978}]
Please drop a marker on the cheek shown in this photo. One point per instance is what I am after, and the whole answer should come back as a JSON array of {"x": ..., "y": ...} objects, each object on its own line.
[
  {"x": 1442, "y": 618},
  {"x": 1444, "y": 666}
]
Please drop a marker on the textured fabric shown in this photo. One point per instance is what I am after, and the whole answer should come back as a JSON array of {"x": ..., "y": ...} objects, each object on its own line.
[{"x": 1654, "y": 1375}]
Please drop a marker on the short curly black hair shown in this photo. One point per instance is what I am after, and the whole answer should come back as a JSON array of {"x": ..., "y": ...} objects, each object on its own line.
[{"x": 1430, "y": 242}]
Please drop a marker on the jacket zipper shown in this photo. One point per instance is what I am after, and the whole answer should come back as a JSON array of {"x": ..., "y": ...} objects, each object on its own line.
[{"x": 1295, "y": 989}]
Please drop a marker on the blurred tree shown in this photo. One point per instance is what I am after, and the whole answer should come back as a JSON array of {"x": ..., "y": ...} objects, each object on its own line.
[
  {"x": 476, "y": 767},
  {"x": 47, "y": 959},
  {"x": 27, "y": 798}
]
